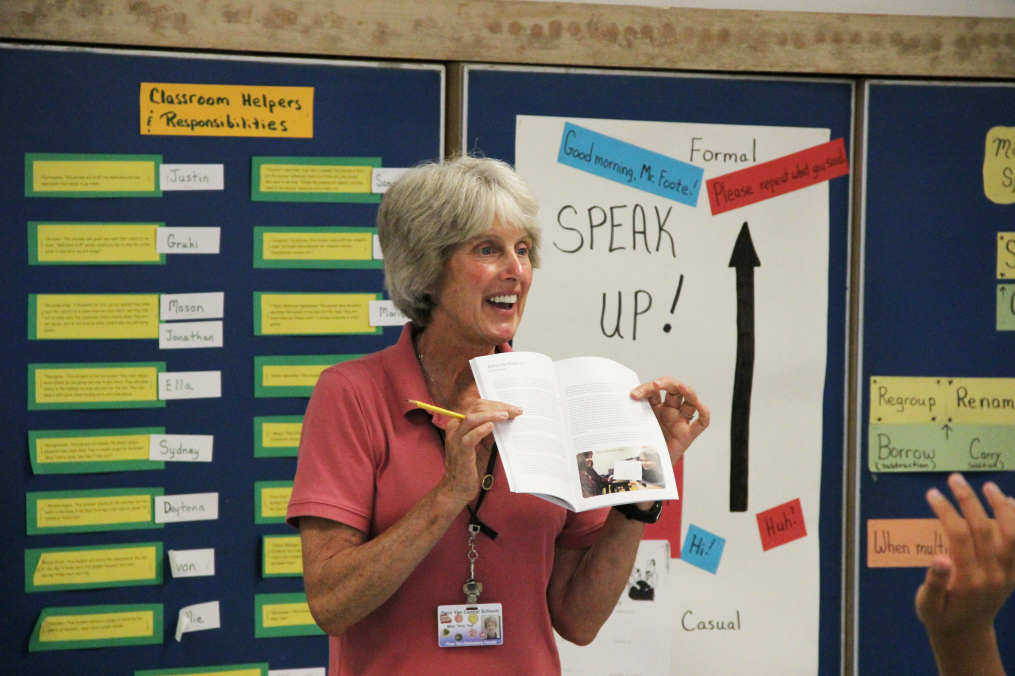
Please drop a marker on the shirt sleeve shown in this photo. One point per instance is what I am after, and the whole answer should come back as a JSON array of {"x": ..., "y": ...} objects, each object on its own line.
[
  {"x": 337, "y": 463},
  {"x": 581, "y": 529}
]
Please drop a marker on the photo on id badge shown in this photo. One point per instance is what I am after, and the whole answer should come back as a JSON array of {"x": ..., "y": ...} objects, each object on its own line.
[{"x": 466, "y": 626}]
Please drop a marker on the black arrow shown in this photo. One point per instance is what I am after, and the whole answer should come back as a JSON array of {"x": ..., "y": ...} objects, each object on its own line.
[
  {"x": 744, "y": 259},
  {"x": 947, "y": 428}
]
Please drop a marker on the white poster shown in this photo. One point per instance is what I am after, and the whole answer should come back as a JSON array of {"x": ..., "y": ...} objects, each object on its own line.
[
  {"x": 635, "y": 641},
  {"x": 644, "y": 277}
]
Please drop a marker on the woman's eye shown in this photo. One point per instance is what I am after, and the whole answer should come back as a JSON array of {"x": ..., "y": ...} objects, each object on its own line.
[
  {"x": 523, "y": 251},
  {"x": 486, "y": 250}
]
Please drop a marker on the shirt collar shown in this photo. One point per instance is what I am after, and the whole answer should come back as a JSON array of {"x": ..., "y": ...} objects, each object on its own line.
[{"x": 407, "y": 376}]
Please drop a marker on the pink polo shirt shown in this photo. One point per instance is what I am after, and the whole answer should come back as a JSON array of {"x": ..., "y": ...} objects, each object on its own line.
[{"x": 366, "y": 457}]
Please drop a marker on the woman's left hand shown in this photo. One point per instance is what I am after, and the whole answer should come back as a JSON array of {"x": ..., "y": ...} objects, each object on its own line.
[{"x": 675, "y": 405}]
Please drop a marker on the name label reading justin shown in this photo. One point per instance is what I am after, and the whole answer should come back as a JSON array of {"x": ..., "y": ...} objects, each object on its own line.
[{"x": 177, "y": 109}]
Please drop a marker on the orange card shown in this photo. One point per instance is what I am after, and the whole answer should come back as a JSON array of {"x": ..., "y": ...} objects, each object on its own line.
[{"x": 904, "y": 543}]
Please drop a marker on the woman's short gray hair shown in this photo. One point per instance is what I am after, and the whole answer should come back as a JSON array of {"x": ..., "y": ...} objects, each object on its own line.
[{"x": 433, "y": 208}]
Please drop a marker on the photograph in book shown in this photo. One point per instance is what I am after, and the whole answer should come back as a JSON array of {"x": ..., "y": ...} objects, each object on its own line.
[{"x": 581, "y": 441}]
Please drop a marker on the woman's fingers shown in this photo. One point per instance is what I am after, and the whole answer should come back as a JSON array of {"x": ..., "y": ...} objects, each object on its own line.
[
  {"x": 931, "y": 596},
  {"x": 979, "y": 524},
  {"x": 960, "y": 541},
  {"x": 1004, "y": 518}
]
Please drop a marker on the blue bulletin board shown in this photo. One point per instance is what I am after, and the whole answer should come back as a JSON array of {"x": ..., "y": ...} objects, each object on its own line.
[
  {"x": 73, "y": 101},
  {"x": 932, "y": 307},
  {"x": 495, "y": 103}
]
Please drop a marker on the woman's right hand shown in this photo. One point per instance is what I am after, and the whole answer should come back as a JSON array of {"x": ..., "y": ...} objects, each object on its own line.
[{"x": 461, "y": 473}]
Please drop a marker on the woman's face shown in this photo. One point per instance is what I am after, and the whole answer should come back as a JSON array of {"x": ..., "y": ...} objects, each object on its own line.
[
  {"x": 482, "y": 294},
  {"x": 647, "y": 462}
]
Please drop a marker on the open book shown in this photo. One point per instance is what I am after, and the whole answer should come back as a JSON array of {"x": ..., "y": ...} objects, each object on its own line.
[{"x": 582, "y": 442}]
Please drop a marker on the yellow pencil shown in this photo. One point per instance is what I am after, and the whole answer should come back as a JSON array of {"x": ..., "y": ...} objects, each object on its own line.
[{"x": 436, "y": 409}]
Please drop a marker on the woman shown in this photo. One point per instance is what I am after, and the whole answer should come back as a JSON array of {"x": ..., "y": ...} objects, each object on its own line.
[
  {"x": 592, "y": 483},
  {"x": 651, "y": 468},
  {"x": 384, "y": 492}
]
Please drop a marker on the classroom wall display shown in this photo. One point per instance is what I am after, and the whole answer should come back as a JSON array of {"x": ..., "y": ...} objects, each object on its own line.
[
  {"x": 696, "y": 227},
  {"x": 155, "y": 206},
  {"x": 935, "y": 389}
]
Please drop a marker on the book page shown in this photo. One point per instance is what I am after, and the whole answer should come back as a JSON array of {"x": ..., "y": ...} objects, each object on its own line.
[
  {"x": 617, "y": 445},
  {"x": 533, "y": 444}
]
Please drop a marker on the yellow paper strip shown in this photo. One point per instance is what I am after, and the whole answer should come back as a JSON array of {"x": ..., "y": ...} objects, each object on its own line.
[
  {"x": 283, "y": 556},
  {"x": 95, "y": 566},
  {"x": 999, "y": 165},
  {"x": 904, "y": 543},
  {"x": 90, "y": 627},
  {"x": 310, "y": 178},
  {"x": 281, "y": 435},
  {"x": 97, "y": 243},
  {"x": 315, "y": 313},
  {"x": 1006, "y": 255},
  {"x": 324, "y": 246},
  {"x": 942, "y": 400},
  {"x": 62, "y": 512},
  {"x": 176, "y": 109},
  {"x": 286, "y": 615},
  {"x": 292, "y": 375},
  {"x": 92, "y": 449},
  {"x": 275, "y": 501},
  {"x": 65, "y": 386},
  {"x": 93, "y": 176},
  {"x": 97, "y": 316}
]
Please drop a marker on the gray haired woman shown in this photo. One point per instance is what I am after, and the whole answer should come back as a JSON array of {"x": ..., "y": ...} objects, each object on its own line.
[{"x": 385, "y": 493}]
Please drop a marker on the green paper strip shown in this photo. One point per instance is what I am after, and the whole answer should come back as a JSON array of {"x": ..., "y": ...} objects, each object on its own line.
[
  {"x": 259, "y": 328},
  {"x": 313, "y": 263},
  {"x": 32, "y": 158},
  {"x": 259, "y": 502},
  {"x": 33, "y": 243},
  {"x": 263, "y": 451},
  {"x": 256, "y": 195},
  {"x": 32, "y": 500},
  {"x": 266, "y": 543},
  {"x": 283, "y": 608},
  {"x": 1006, "y": 307},
  {"x": 940, "y": 448},
  {"x": 33, "y": 556},
  {"x": 262, "y": 390},
  {"x": 89, "y": 466},
  {"x": 150, "y": 632},
  {"x": 154, "y": 402},
  {"x": 260, "y": 669},
  {"x": 33, "y": 317}
]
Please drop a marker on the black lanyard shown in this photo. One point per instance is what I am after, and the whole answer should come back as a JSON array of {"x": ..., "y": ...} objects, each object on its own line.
[{"x": 484, "y": 486}]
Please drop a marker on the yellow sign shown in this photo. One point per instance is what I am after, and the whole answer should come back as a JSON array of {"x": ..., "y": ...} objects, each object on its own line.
[
  {"x": 97, "y": 243},
  {"x": 175, "y": 109},
  {"x": 322, "y": 246},
  {"x": 292, "y": 375},
  {"x": 282, "y": 435},
  {"x": 988, "y": 401},
  {"x": 90, "y": 627},
  {"x": 92, "y": 449},
  {"x": 107, "y": 509},
  {"x": 310, "y": 178},
  {"x": 286, "y": 615},
  {"x": 124, "y": 176},
  {"x": 999, "y": 165},
  {"x": 283, "y": 555},
  {"x": 95, "y": 566},
  {"x": 85, "y": 385},
  {"x": 316, "y": 313},
  {"x": 96, "y": 316},
  {"x": 275, "y": 501}
]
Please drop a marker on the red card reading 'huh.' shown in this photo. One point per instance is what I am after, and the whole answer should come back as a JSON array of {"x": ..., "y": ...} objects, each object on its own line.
[{"x": 781, "y": 524}]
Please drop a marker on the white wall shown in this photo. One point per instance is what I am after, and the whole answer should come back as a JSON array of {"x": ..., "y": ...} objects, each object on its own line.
[{"x": 972, "y": 8}]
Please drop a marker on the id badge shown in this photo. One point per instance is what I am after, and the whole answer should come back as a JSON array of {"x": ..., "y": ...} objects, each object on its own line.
[{"x": 466, "y": 626}]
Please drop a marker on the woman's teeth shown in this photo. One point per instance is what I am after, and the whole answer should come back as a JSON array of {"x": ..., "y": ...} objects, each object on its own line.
[{"x": 505, "y": 302}]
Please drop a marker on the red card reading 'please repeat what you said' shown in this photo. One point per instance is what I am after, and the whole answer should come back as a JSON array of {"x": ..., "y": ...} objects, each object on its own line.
[{"x": 777, "y": 177}]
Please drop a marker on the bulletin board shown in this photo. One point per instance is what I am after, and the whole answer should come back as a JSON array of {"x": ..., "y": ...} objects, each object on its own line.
[
  {"x": 297, "y": 144},
  {"x": 594, "y": 145},
  {"x": 936, "y": 341}
]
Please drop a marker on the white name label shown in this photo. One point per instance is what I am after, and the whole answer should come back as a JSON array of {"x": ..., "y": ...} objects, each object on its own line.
[
  {"x": 192, "y": 177},
  {"x": 384, "y": 313},
  {"x": 312, "y": 671},
  {"x": 192, "y": 562},
  {"x": 383, "y": 178},
  {"x": 180, "y": 447},
  {"x": 191, "y": 507},
  {"x": 190, "y": 385},
  {"x": 198, "y": 617},
  {"x": 187, "y": 240},
  {"x": 378, "y": 254},
  {"x": 176, "y": 306},
  {"x": 189, "y": 335}
]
